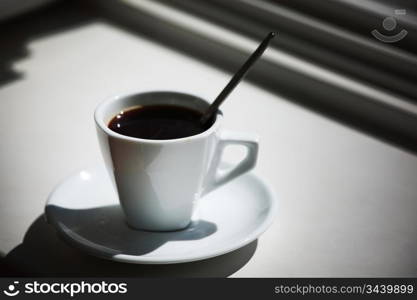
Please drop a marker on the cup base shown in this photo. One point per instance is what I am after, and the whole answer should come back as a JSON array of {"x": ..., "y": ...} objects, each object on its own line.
[{"x": 157, "y": 229}]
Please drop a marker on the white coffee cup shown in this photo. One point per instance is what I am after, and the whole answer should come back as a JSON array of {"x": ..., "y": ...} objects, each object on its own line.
[{"x": 160, "y": 181}]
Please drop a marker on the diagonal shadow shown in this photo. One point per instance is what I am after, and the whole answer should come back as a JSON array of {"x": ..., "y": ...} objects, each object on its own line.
[
  {"x": 43, "y": 253},
  {"x": 344, "y": 106},
  {"x": 379, "y": 121}
]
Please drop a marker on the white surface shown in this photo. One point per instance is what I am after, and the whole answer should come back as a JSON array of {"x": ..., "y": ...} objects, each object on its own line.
[
  {"x": 86, "y": 211},
  {"x": 347, "y": 201}
]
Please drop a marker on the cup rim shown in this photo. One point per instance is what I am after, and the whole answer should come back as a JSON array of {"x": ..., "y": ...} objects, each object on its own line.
[{"x": 98, "y": 118}]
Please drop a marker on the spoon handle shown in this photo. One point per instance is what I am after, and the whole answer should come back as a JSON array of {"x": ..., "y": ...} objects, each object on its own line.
[{"x": 236, "y": 78}]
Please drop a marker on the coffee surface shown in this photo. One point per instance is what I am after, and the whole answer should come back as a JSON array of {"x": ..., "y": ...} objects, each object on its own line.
[{"x": 158, "y": 122}]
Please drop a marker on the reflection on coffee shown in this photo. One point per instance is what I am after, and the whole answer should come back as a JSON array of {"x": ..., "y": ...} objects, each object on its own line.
[{"x": 158, "y": 122}]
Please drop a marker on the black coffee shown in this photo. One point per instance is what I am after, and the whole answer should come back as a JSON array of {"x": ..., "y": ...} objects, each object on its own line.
[{"x": 158, "y": 122}]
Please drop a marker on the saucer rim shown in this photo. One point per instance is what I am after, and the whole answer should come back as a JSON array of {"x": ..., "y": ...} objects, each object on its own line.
[{"x": 139, "y": 259}]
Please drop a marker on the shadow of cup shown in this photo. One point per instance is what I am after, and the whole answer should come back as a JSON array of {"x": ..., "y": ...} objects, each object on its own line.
[
  {"x": 112, "y": 236},
  {"x": 43, "y": 253}
]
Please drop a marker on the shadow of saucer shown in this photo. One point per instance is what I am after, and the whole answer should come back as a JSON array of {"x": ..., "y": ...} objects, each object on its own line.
[{"x": 43, "y": 253}]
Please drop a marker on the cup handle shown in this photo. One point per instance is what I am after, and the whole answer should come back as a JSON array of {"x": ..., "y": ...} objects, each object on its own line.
[{"x": 214, "y": 178}]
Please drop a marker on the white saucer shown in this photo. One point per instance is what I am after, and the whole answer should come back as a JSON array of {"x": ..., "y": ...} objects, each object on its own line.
[{"x": 85, "y": 211}]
